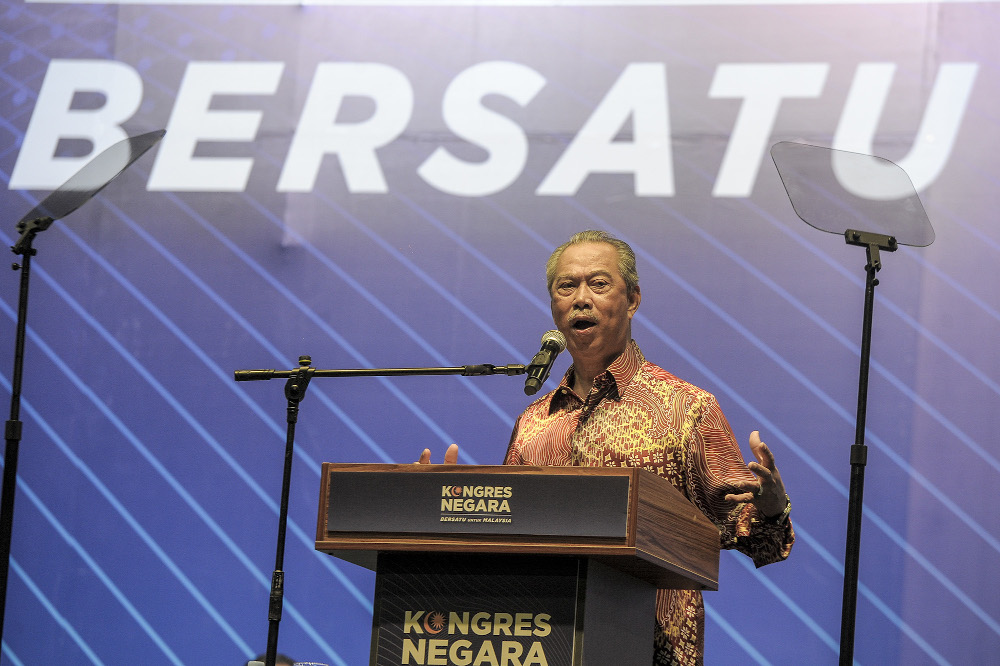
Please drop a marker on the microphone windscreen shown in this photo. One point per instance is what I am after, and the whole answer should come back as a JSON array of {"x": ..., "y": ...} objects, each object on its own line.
[{"x": 554, "y": 336}]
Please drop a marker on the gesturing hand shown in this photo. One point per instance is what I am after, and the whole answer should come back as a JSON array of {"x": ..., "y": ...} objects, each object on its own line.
[{"x": 768, "y": 492}]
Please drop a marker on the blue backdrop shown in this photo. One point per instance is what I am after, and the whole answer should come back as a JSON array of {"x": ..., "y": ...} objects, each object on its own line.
[{"x": 379, "y": 186}]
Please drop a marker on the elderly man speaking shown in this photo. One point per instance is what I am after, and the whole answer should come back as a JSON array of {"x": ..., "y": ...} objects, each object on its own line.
[{"x": 614, "y": 408}]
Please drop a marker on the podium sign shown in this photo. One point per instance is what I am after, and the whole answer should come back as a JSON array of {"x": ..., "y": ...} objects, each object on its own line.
[
  {"x": 527, "y": 610},
  {"x": 467, "y": 503},
  {"x": 480, "y": 609}
]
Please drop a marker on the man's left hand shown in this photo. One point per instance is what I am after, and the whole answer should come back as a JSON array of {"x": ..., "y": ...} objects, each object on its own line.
[{"x": 768, "y": 492}]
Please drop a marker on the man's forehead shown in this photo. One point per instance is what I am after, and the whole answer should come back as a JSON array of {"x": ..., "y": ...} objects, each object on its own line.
[{"x": 588, "y": 259}]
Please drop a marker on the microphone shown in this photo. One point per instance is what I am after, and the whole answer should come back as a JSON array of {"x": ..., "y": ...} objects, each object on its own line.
[{"x": 553, "y": 342}]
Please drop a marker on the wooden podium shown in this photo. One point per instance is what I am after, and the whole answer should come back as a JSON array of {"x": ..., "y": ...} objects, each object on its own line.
[{"x": 514, "y": 565}]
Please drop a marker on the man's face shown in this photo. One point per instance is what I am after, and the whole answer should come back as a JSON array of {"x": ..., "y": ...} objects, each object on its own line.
[{"x": 589, "y": 303}]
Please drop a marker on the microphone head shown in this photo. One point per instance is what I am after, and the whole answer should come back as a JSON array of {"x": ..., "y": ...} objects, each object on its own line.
[{"x": 555, "y": 337}]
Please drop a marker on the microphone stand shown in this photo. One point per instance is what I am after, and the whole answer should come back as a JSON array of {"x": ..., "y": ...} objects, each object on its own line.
[{"x": 295, "y": 391}]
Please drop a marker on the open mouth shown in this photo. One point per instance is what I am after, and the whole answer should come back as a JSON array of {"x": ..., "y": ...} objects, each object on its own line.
[{"x": 583, "y": 324}]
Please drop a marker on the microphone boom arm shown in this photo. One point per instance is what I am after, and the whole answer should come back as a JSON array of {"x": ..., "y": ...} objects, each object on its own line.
[{"x": 464, "y": 370}]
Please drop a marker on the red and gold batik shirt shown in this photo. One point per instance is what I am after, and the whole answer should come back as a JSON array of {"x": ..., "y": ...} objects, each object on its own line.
[{"x": 639, "y": 415}]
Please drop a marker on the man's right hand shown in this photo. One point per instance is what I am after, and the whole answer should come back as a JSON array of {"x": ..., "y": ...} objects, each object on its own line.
[{"x": 450, "y": 456}]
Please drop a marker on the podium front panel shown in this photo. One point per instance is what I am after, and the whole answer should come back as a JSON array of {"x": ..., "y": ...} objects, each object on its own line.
[
  {"x": 460, "y": 610},
  {"x": 555, "y": 505}
]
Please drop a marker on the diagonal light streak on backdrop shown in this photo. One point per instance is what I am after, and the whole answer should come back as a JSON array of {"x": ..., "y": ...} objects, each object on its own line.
[
  {"x": 167, "y": 476},
  {"x": 734, "y": 633},
  {"x": 276, "y": 356},
  {"x": 54, "y": 612},
  {"x": 876, "y": 601},
  {"x": 224, "y": 377},
  {"x": 784, "y": 597},
  {"x": 424, "y": 277},
  {"x": 988, "y": 309},
  {"x": 866, "y": 592},
  {"x": 382, "y": 308},
  {"x": 9, "y": 654},
  {"x": 92, "y": 564},
  {"x": 937, "y": 210},
  {"x": 332, "y": 333},
  {"x": 514, "y": 284}
]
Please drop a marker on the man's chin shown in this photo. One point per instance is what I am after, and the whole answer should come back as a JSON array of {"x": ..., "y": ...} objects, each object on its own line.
[{"x": 578, "y": 342}]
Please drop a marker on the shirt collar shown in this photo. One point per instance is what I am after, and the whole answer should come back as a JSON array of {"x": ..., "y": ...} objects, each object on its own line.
[
  {"x": 625, "y": 367},
  {"x": 619, "y": 374}
]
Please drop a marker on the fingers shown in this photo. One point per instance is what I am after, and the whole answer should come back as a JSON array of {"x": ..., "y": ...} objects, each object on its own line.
[
  {"x": 742, "y": 497},
  {"x": 450, "y": 456},
  {"x": 769, "y": 494},
  {"x": 763, "y": 473},
  {"x": 760, "y": 450},
  {"x": 746, "y": 491}
]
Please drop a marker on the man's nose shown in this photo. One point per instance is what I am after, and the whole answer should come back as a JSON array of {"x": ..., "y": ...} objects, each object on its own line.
[{"x": 582, "y": 297}]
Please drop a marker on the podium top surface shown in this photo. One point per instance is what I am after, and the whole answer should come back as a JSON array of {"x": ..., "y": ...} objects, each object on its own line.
[{"x": 627, "y": 517}]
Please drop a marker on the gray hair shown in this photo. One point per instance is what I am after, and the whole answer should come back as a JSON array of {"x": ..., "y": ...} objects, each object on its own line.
[{"x": 626, "y": 258}]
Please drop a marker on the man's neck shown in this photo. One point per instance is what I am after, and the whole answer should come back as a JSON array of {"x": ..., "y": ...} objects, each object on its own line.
[
  {"x": 584, "y": 373},
  {"x": 582, "y": 383}
]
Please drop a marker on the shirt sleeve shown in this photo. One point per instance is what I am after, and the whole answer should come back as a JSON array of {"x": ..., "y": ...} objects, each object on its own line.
[
  {"x": 714, "y": 466},
  {"x": 513, "y": 455}
]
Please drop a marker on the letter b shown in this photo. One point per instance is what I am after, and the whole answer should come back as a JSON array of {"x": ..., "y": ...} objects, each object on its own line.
[{"x": 54, "y": 118}]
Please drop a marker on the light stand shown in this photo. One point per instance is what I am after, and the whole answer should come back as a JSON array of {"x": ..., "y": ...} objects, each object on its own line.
[
  {"x": 76, "y": 191},
  {"x": 841, "y": 192}
]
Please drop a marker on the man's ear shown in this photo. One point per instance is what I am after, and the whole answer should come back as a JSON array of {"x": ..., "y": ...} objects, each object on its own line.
[{"x": 634, "y": 301}]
